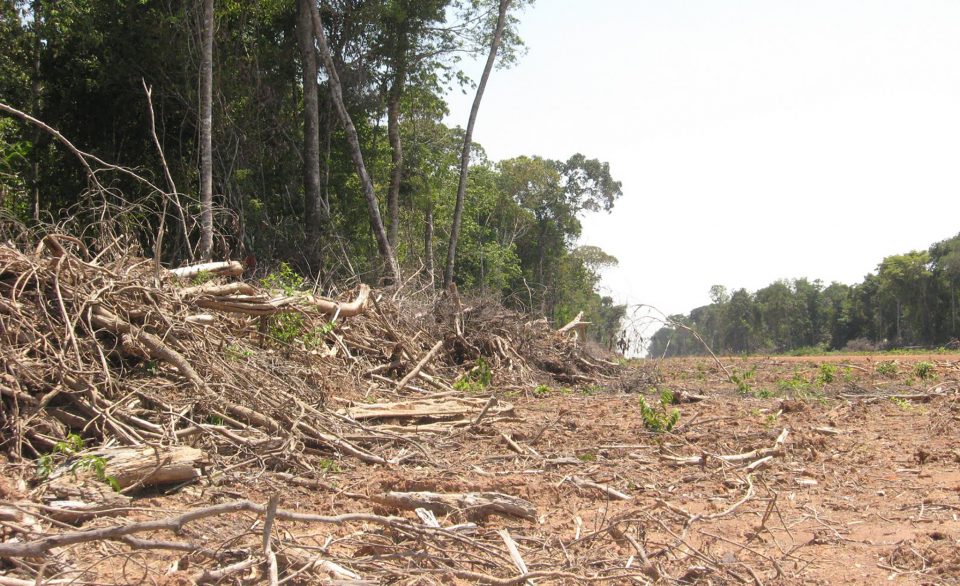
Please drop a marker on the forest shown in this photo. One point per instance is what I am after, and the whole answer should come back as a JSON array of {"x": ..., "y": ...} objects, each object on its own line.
[
  {"x": 300, "y": 134},
  {"x": 909, "y": 301}
]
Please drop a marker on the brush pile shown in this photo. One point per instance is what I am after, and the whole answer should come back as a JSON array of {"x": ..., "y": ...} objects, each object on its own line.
[{"x": 120, "y": 379}]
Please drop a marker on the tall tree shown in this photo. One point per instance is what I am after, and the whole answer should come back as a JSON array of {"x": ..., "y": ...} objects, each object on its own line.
[
  {"x": 353, "y": 141},
  {"x": 206, "y": 132},
  {"x": 468, "y": 140},
  {"x": 312, "y": 202}
]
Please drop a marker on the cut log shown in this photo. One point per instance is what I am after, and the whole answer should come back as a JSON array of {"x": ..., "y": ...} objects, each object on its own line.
[
  {"x": 470, "y": 505},
  {"x": 442, "y": 408},
  {"x": 230, "y": 268},
  {"x": 252, "y": 304},
  {"x": 145, "y": 466}
]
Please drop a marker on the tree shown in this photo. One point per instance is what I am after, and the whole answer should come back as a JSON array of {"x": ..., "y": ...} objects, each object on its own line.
[
  {"x": 206, "y": 132},
  {"x": 468, "y": 139},
  {"x": 313, "y": 210},
  {"x": 353, "y": 141},
  {"x": 905, "y": 280}
]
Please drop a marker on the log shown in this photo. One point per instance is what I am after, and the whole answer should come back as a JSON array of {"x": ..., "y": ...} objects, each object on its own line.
[
  {"x": 230, "y": 268},
  {"x": 472, "y": 505},
  {"x": 252, "y": 304},
  {"x": 442, "y": 408},
  {"x": 146, "y": 466}
]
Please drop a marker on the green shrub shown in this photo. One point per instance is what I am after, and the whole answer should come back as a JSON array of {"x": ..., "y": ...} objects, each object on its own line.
[
  {"x": 742, "y": 380},
  {"x": 924, "y": 370},
  {"x": 659, "y": 419},
  {"x": 284, "y": 279},
  {"x": 887, "y": 368},
  {"x": 476, "y": 379},
  {"x": 827, "y": 375}
]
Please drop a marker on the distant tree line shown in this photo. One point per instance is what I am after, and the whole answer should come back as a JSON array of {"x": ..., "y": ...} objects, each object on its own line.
[
  {"x": 308, "y": 132},
  {"x": 910, "y": 300}
]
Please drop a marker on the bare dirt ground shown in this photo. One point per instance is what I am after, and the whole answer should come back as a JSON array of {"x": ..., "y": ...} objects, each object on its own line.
[{"x": 863, "y": 488}]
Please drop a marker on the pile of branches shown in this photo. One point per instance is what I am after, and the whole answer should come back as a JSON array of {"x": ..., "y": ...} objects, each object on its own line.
[{"x": 143, "y": 377}]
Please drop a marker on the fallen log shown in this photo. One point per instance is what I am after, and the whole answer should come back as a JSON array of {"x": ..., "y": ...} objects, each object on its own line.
[
  {"x": 471, "y": 505},
  {"x": 146, "y": 466},
  {"x": 230, "y": 268}
]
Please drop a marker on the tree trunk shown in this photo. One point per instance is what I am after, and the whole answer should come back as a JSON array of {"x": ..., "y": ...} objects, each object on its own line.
[
  {"x": 428, "y": 242},
  {"x": 36, "y": 89},
  {"x": 312, "y": 208},
  {"x": 353, "y": 141},
  {"x": 467, "y": 141},
  {"x": 396, "y": 159},
  {"x": 206, "y": 132}
]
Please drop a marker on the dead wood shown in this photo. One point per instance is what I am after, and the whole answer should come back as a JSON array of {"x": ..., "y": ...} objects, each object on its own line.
[
  {"x": 230, "y": 268},
  {"x": 471, "y": 505}
]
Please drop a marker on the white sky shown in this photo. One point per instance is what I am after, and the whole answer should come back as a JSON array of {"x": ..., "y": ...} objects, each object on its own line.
[{"x": 755, "y": 139}]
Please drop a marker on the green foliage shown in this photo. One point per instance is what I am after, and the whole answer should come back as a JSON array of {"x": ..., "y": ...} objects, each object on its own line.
[
  {"x": 283, "y": 279},
  {"x": 902, "y": 403},
  {"x": 328, "y": 466},
  {"x": 659, "y": 418},
  {"x": 67, "y": 451},
  {"x": 911, "y": 299},
  {"x": 887, "y": 368},
  {"x": 741, "y": 379},
  {"x": 796, "y": 384},
  {"x": 924, "y": 370},
  {"x": 201, "y": 277},
  {"x": 236, "y": 352},
  {"x": 541, "y": 391},
  {"x": 827, "y": 374},
  {"x": 287, "y": 327},
  {"x": 476, "y": 379}
]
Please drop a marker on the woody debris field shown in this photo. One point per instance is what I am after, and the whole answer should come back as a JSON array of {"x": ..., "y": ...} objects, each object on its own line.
[{"x": 193, "y": 426}]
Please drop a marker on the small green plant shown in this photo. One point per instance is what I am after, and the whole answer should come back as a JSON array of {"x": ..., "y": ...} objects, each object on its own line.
[
  {"x": 587, "y": 457},
  {"x": 287, "y": 327},
  {"x": 542, "y": 391},
  {"x": 284, "y": 278},
  {"x": 328, "y": 466},
  {"x": 476, "y": 379},
  {"x": 887, "y": 368},
  {"x": 660, "y": 418},
  {"x": 848, "y": 376},
  {"x": 827, "y": 374},
  {"x": 315, "y": 337},
  {"x": 741, "y": 379},
  {"x": 68, "y": 451},
  {"x": 901, "y": 403},
  {"x": 201, "y": 277},
  {"x": 924, "y": 370},
  {"x": 766, "y": 394},
  {"x": 589, "y": 390},
  {"x": 795, "y": 384},
  {"x": 235, "y": 352}
]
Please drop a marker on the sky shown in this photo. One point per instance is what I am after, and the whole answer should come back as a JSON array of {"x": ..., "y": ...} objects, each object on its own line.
[{"x": 756, "y": 140}]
